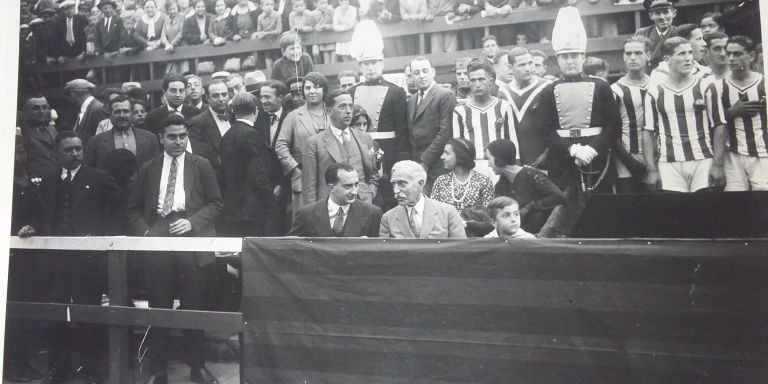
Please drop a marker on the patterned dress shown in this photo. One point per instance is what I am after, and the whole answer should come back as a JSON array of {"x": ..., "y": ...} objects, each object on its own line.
[{"x": 476, "y": 192}]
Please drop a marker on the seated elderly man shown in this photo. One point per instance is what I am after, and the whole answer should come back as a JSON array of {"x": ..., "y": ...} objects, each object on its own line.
[{"x": 417, "y": 215}]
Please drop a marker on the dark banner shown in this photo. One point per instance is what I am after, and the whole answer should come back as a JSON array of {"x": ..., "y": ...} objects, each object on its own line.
[{"x": 354, "y": 311}]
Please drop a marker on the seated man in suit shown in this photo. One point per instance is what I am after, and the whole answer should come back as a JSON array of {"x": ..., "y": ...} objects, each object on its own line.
[
  {"x": 341, "y": 214},
  {"x": 176, "y": 194},
  {"x": 141, "y": 143},
  {"x": 418, "y": 216}
]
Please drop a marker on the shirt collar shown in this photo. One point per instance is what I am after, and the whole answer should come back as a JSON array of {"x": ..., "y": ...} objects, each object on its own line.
[
  {"x": 333, "y": 207},
  {"x": 179, "y": 159},
  {"x": 246, "y": 121},
  {"x": 337, "y": 132},
  {"x": 429, "y": 89},
  {"x": 172, "y": 109},
  {"x": 73, "y": 172},
  {"x": 86, "y": 103},
  {"x": 419, "y": 207}
]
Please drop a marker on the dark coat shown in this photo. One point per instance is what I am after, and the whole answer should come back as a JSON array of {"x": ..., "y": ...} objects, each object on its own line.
[
  {"x": 41, "y": 152},
  {"x": 312, "y": 220},
  {"x": 652, "y": 34},
  {"x": 190, "y": 33},
  {"x": 61, "y": 46},
  {"x": 100, "y": 146},
  {"x": 109, "y": 41},
  {"x": 152, "y": 121},
  {"x": 262, "y": 125},
  {"x": 430, "y": 126},
  {"x": 94, "y": 114},
  {"x": 98, "y": 204},
  {"x": 245, "y": 179},
  {"x": 203, "y": 128},
  {"x": 202, "y": 198}
]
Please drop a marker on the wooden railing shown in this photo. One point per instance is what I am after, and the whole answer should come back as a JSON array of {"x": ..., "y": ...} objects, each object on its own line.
[
  {"x": 118, "y": 315},
  {"x": 607, "y": 47}
]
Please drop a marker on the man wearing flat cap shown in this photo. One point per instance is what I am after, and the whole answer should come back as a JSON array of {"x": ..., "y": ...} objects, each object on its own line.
[
  {"x": 91, "y": 112},
  {"x": 69, "y": 33},
  {"x": 580, "y": 121},
  {"x": 662, "y": 13}
]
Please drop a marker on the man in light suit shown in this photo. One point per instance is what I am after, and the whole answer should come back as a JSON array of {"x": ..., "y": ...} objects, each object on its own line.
[
  {"x": 662, "y": 13},
  {"x": 211, "y": 125},
  {"x": 141, "y": 143},
  {"x": 92, "y": 111},
  {"x": 339, "y": 144},
  {"x": 176, "y": 194},
  {"x": 341, "y": 214},
  {"x": 430, "y": 118},
  {"x": 174, "y": 92},
  {"x": 416, "y": 215}
]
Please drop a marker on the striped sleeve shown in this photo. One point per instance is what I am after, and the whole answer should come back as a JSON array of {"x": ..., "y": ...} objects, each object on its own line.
[
  {"x": 458, "y": 123},
  {"x": 509, "y": 125},
  {"x": 651, "y": 113},
  {"x": 714, "y": 104}
]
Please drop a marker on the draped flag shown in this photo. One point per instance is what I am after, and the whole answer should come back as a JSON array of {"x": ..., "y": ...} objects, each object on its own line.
[{"x": 375, "y": 311}]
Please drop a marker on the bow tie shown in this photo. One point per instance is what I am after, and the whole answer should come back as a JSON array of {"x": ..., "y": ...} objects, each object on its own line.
[
  {"x": 222, "y": 117},
  {"x": 272, "y": 117}
]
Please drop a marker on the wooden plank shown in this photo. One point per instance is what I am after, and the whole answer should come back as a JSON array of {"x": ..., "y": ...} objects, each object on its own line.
[
  {"x": 128, "y": 316},
  {"x": 390, "y": 30},
  {"x": 124, "y": 243},
  {"x": 119, "y": 336}
]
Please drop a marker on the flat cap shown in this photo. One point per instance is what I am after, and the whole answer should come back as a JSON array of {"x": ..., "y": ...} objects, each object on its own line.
[
  {"x": 48, "y": 10},
  {"x": 67, "y": 4},
  {"x": 461, "y": 62},
  {"x": 220, "y": 75},
  {"x": 79, "y": 84},
  {"x": 36, "y": 21},
  {"x": 106, "y": 2},
  {"x": 652, "y": 5}
]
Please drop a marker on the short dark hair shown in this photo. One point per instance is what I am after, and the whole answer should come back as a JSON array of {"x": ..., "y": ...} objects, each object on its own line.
[
  {"x": 348, "y": 73},
  {"x": 593, "y": 65},
  {"x": 501, "y": 53},
  {"x": 119, "y": 99},
  {"x": 515, "y": 52},
  {"x": 143, "y": 103},
  {"x": 464, "y": 151},
  {"x": 332, "y": 172},
  {"x": 330, "y": 99},
  {"x": 685, "y": 30},
  {"x": 172, "y": 78},
  {"x": 214, "y": 81},
  {"x": 478, "y": 64},
  {"x": 137, "y": 94},
  {"x": 171, "y": 118},
  {"x": 744, "y": 41},
  {"x": 498, "y": 204},
  {"x": 639, "y": 39},
  {"x": 669, "y": 45},
  {"x": 715, "y": 36},
  {"x": 318, "y": 79},
  {"x": 277, "y": 85},
  {"x": 190, "y": 77},
  {"x": 717, "y": 17},
  {"x": 504, "y": 152},
  {"x": 63, "y": 135},
  {"x": 34, "y": 96},
  {"x": 489, "y": 37},
  {"x": 539, "y": 53},
  {"x": 110, "y": 91},
  {"x": 243, "y": 104},
  {"x": 288, "y": 38}
]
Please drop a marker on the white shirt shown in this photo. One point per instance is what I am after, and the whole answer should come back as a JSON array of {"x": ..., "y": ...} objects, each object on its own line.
[
  {"x": 333, "y": 209},
  {"x": 73, "y": 172},
  {"x": 337, "y": 133},
  {"x": 419, "y": 211},
  {"x": 520, "y": 234},
  {"x": 178, "y": 194},
  {"x": 222, "y": 124},
  {"x": 171, "y": 109},
  {"x": 83, "y": 107}
]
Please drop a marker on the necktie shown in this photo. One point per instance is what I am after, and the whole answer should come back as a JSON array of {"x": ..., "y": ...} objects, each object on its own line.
[
  {"x": 68, "y": 179},
  {"x": 222, "y": 117},
  {"x": 70, "y": 32},
  {"x": 345, "y": 144},
  {"x": 413, "y": 220},
  {"x": 170, "y": 188},
  {"x": 106, "y": 23},
  {"x": 272, "y": 118},
  {"x": 420, "y": 99},
  {"x": 338, "y": 223}
]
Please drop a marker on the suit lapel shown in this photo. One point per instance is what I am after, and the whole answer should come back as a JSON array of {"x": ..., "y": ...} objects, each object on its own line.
[
  {"x": 356, "y": 136},
  {"x": 401, "y": 219},
  {"x": 332, "y": 146},
  {"x": 427, "y": 99},
  {"x": 155, "y": 173},
  {"x": 353, "y": 227},
  {"x": 79, "y": 184},
  {"x": 323, "y": 221},
  {"x": 212, "y": 127},
  {"x": 412, "y": 106},
  {"x": 427, "y": 218},
  {"x": 190, "y": 168}
]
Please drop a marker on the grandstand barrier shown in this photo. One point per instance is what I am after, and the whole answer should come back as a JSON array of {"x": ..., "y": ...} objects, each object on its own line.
[
  {"x": 481, "y": 310},
  {"x": 607, "y": 46}
]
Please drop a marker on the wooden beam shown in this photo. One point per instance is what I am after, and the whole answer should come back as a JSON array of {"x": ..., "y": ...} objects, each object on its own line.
[
  {"x": 128, "y": 316},
  {"x": 119, "y": 337},
  {"x": 123, "y": 243}
]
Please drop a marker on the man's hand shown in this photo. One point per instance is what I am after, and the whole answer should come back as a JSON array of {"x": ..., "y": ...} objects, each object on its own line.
[
  {"x": 652, "y": 181},
  {"x": 745, "y": 108},
  {"x": 180, "y": 227},
  {"x": 26, "y": 231},
  {"x": 236, "y": 38},
  {"x": 107, "y": 56},
  {"x": 296, "y": 180},
  {"x": 463, "y": 8},
  {"x": 169, "y": 48},
  {"x": 717, "y": 176},
  {"x": 62, "y": 59},
  {"x": 80, "y": 56}
]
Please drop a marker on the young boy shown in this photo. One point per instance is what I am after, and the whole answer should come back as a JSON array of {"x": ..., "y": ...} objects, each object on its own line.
[
  {"x": 300, "y": 20},
  {"x": 505, "y": 217},
  {"x": 294, "y": 61}
]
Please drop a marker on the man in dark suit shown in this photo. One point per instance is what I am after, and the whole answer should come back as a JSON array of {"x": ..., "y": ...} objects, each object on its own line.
[
  {"x": 210, "y": 125},
  {"x": 173, "y": 93},
  {"x": 76, "y": 201},
  {"x": 69, "y": 33},
  {"x": 191, "y": 33},
  {"x": 108, "y": 30},
  {"x": 195, "y": 92},
  {"x": 122, "y": 135},
  {"x": 38, "y": 135},
  {"x": 662, "y": 13},
  {"x": 176, "y": 194},
  {"x": 341, "y": 214},
  {"x": 430, "y": 119},
  {"x": 248, "y": 195},
  {"x": 92, "y": 111}
]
